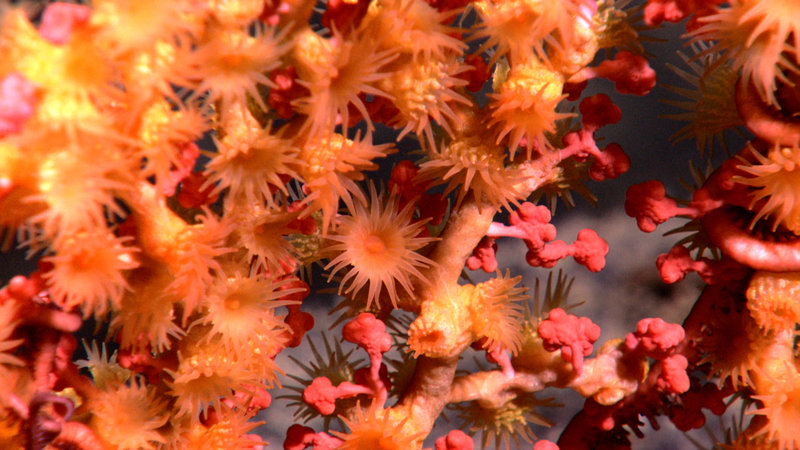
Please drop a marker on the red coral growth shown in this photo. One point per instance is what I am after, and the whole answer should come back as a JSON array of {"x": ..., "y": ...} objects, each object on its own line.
[
  {"x": 648, "y": 203},
  {"x": 483, "y": 256},
  {"x": 448, "y": 5},
  {"x": 631, "y": 73},
  {"x": 402, "y": 181},
  {"x": 344, "y": 15},
  {"x": 455, "y": 440},
  {"x": 193, "y": 194},
  {"x": 658, "y": 11},
  {"x": 610, "y": 163},
  {"x": 17, "y": 102},
  {"x": 688, "y": 414},
  {"x": 598, "y": 111},
  {"x": 530, "y": 223},
  {"x": 544, "y": 444},
  {"x": 59, "y": 19},
  {"x": 655, "y": 338},
  {"x": 363, "y": 376},
  {"x": 673, "y": 266},
  {"x": 321, "y": 394},
  {"x": 573, "y": 335},
  {"x": 34, "y": 309},
  {"x": 188, "y": 154},
  {"x": 369, "y": 333},
  {"x": 299, "y": 437},
  {"x": 589, "y": 250},
  {"x": 286, "y": 90},
  {"x": 479, "y": 73},
  {"x": 673, "y": 378},
  {"x": 300, "y": 322}
]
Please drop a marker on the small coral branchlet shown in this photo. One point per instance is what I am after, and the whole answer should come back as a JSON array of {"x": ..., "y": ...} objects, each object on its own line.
[
  {"x": 531, "y": 224},
  {"x": 574, "y": 336},
  {"x": 455, "y": 440}
]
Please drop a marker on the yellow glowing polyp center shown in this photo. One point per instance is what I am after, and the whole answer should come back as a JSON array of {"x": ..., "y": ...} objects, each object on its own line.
[
  {"x": 232, "y": 303},
  {"x": 374, "y": 245}
]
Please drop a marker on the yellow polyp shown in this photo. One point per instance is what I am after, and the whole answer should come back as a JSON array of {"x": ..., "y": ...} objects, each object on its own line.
[
  {"x": 444, "y": 326},
  {"x": 525, "y": 105},
  {"x": 64, "y": 108},
  {"x": 376, "y": 428},
  {"x": 321, "y": 155},
  {"x": 772, "y": 299},
  {"x": 67, "y": 75},
  {"x": 153, "y": 122},
  {"x": 580, "y": 54},
  {"x": 313, "y": 54},
  {"x": 232, "y": 303},
  {"x": 532, "y": 357},
  {"x": 611, "y": 375},
  {"x": 236, "y": 12},
  {"x": 535, "y": 77},
  {"x": 24, "y": 50},
  {"x": 18, "y": 167}
]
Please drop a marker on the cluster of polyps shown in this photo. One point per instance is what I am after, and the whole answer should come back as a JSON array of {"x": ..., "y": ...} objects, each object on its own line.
[
  {"x": 187, "y": 252},
  {"x": 742, "y": 330}
]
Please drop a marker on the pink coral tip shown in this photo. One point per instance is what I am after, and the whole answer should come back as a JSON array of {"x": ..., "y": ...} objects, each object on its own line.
[
  {"x": 533, "y": 222},
  {"x": 673, "y": 378},
  {"x": 483, "y": 256},
  {"x": 673, "y": 266},
  {"x": 369, "y": 333},
  {"x": 648, "y": 203},
  {"x": 321, "y": 395},
  {"x": 297, "y": 437},
  {"x": 590, "y": 250},
  {"x": 60, "y": 19},
  {"x": 17, "y": 103},
  {"x": 655, "y": 338},
  {"x": 544, "y": 444},
  {"x": 598, "y": 110},
  {"x": 455, "y": 440},
  {"x": 630, "y": 73},
  {"x": 573, "y": 335},
  {"x": 610, "y": 163}
]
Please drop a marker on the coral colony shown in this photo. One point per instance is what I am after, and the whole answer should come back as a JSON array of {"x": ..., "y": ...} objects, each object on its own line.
[{"x": 179, "y": 170}]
